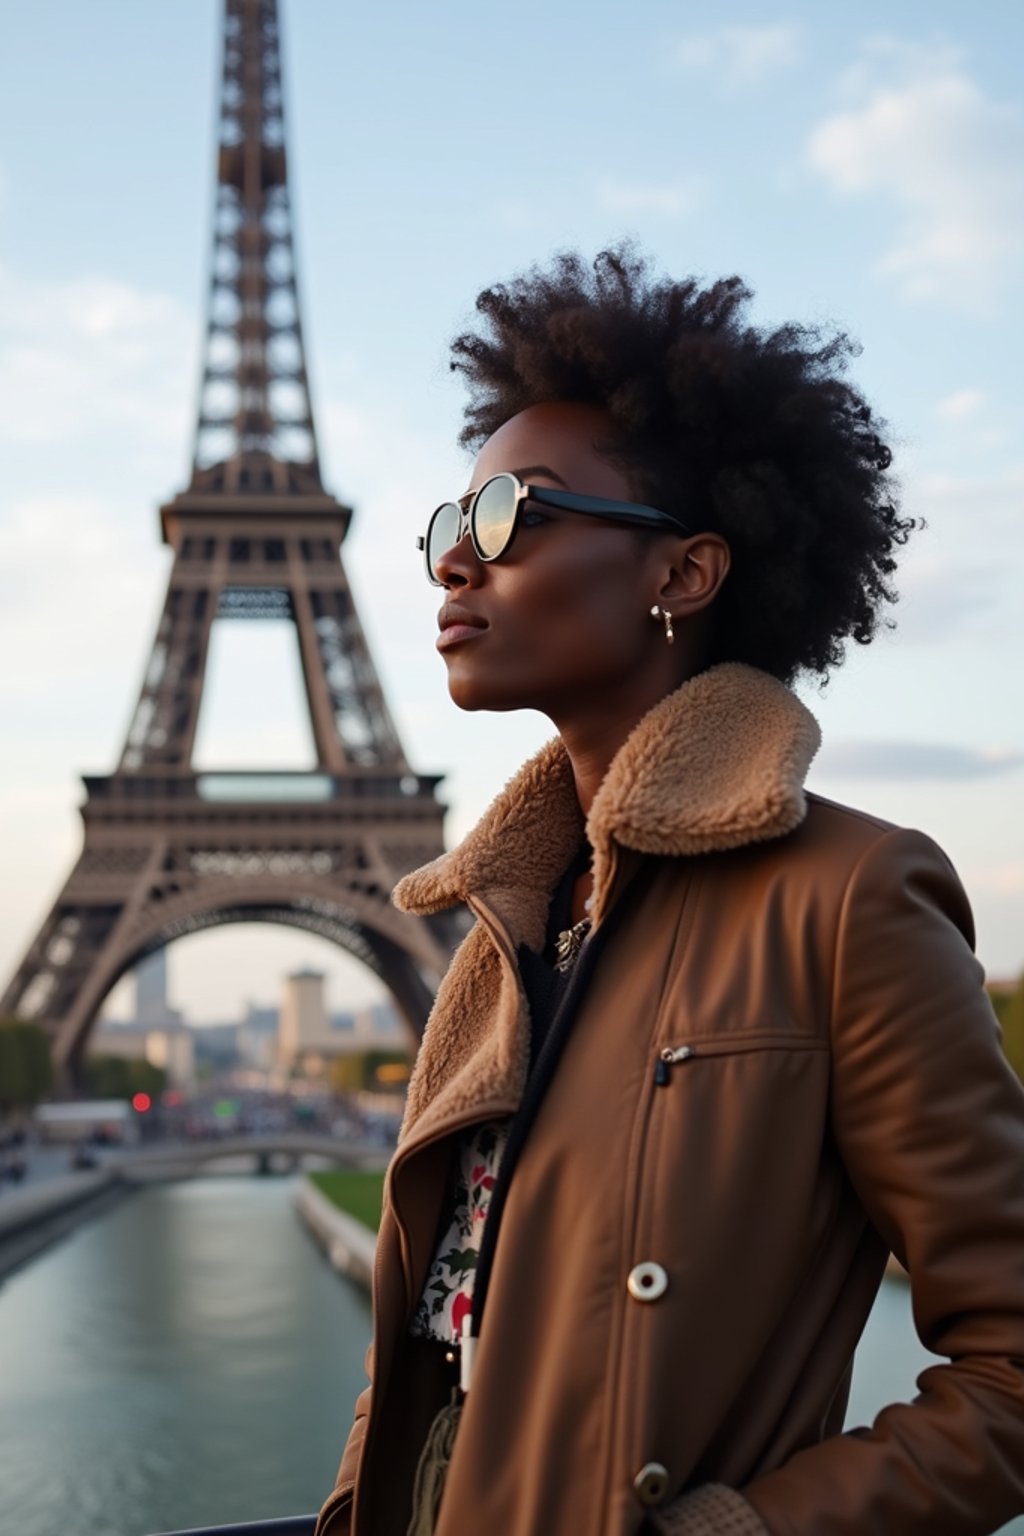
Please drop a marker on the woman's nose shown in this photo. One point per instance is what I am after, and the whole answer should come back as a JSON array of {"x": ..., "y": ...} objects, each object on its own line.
[{"x": 459, "y": 566}]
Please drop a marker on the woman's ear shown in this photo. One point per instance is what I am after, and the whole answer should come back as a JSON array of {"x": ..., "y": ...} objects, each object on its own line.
[{"x": 698, "y": 567}]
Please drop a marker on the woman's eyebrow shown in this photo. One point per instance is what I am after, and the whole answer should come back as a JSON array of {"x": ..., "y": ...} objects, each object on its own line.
[
  {"x": 539, "y": 469},
  {"x": 521, "y": 474}
]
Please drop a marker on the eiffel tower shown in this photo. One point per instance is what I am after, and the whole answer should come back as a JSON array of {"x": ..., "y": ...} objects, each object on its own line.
[{"x": 169, "y": 851}]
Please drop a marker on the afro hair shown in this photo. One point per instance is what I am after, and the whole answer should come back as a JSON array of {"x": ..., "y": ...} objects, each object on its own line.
[{"x": 750, "y": 433}]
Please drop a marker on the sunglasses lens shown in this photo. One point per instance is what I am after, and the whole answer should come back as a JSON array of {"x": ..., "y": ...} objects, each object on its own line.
[
  {"x": 442, "y": 534},
  {"x": 495, "y": 515}
]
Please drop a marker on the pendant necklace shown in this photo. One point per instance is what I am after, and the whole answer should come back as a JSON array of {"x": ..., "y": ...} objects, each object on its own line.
[
  {"x": 568, "y": 945},
  {"x": 571, "y": 940}
]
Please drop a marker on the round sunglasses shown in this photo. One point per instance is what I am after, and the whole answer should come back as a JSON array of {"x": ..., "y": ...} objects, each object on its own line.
[{"x": 492, "y": 516}]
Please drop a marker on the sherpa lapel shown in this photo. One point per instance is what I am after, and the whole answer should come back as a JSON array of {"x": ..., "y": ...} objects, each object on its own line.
[{"x": 718, "y": 763}]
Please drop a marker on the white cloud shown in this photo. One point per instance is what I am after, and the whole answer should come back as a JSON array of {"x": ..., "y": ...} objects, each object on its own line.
[
  {"x": 947, "y": 157},
  {"x": 80, "y": 584},
  {"x": 668, "y": 200},
  {"x": 963, "y": 573},
  {"x": 903, "y": 58},
  {"x": 991, "y": 505},
  {"x": 961, "y": 405},
  {"x": 89, "y": 355},
  {"x": 941, "y": 601},
  {"x": 739, "y": 55},
  {"x": 943, "y": 597},
  {"x": 77, "y": 583},
  {"x": 1004, "y": 879},
  {"x": 915, "y": 760}
]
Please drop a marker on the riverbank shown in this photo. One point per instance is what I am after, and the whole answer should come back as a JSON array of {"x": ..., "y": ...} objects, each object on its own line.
[
  {"x": 33, "y": 1218},
  {"x": 340, "y": 1209},
  {"x": 357, "y": 1191},
  {"x": 186, "y": 1359},
  {"x": 337, "y": 1209}
]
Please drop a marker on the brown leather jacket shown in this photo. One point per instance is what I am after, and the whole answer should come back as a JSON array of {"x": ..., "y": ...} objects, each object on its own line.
[{"x": 842, "y": 1093}]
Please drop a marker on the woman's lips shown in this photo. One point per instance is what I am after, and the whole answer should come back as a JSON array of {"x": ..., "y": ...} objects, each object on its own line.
[{"x": 454, "y": 634}]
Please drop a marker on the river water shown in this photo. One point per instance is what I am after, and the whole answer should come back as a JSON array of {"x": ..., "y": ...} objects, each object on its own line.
[{"x": 189, "y": 1358}]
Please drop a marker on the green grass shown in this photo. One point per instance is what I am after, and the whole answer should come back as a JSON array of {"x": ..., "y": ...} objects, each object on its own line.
[{"x": 359, "y": 1194}]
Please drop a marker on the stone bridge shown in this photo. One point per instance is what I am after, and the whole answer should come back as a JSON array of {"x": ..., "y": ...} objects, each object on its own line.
[{"x": 271, "y": 1152}]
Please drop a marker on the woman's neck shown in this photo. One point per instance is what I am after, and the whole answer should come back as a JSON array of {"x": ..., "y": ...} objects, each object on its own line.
[{"x": 592, "y": 739}]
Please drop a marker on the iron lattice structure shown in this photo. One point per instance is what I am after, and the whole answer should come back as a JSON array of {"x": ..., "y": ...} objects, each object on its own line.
[
  {"x": 255, "y": 428},
  {"x": 169, "y": 851}
]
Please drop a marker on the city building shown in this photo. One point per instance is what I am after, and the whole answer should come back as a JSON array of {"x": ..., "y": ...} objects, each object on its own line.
[
  {"x": 304, "y": 1027},
  {"x": 171, "y": 1048}
]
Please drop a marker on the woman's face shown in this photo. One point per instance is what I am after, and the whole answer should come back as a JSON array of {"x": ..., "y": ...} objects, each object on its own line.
[{"x": 564, "y": 613}]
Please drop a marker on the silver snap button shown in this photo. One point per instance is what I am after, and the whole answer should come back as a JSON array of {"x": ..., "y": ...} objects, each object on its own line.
[
  {"x": 647, "y": 1282},
  {"x": 651, "y": 1483}
]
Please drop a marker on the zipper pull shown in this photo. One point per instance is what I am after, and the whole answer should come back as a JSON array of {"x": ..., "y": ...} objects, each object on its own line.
[
  {"x": 667, "y": 1059},
  {"x": 466, "y": 1353}
]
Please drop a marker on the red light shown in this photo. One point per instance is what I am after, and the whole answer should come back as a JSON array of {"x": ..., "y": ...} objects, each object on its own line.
[{"x": 141, "y": 1102}]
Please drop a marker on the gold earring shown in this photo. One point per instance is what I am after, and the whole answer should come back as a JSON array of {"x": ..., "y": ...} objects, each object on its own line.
[{"x": 663, "y": 613}]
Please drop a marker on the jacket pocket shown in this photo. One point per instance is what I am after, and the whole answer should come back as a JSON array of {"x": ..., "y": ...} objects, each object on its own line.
[
  {"x": 672, "y": 1056},
  {"x": 734, "y": 1187}
]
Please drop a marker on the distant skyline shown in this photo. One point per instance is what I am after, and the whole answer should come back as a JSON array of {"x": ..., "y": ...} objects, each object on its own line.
[
  {"x": 143, "y": 1003},
  {"x": 858, "y": 165}
]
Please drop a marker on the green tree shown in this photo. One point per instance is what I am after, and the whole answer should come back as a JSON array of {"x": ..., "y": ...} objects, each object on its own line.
[
  {"x": 361, "y": 1069},
  {"x": 1010, "y": 1012},
  {"x": 13, "y": 1073},
  {"x": 346, "y": 1074},
  {"x": 119, "y": 1077},
  {"x": 39, "y": 1061},
  {"x": 26, "y": 1071}
]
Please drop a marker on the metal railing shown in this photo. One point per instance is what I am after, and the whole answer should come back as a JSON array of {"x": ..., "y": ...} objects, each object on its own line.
[{"x": 288, "y": 1525}]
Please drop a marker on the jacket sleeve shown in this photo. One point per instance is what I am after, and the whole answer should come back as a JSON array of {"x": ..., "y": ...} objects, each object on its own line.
[
  {"x": 335, "y": 1516},
  {"x": 929, "y": 1120}
]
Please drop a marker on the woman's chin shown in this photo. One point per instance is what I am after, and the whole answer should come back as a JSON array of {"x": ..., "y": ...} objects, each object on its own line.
[{"x": 478, "y": 693}]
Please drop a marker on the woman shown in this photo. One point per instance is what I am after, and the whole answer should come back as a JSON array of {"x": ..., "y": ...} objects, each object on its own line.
[{"x": 714, "y": 1046}]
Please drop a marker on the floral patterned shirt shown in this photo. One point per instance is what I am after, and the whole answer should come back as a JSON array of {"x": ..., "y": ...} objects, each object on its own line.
[{"x": 448, "y": 1294}]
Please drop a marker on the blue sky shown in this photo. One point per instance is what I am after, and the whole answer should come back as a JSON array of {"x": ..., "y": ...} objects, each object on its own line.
[{"x": 858, "y": 164}]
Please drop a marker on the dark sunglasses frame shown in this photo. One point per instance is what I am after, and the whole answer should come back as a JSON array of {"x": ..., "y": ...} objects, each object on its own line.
[{"x": 566, "y": 501}]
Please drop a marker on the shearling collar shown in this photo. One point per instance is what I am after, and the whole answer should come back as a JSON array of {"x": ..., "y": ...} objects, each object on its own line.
[{"x": 718, "y": 763}]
